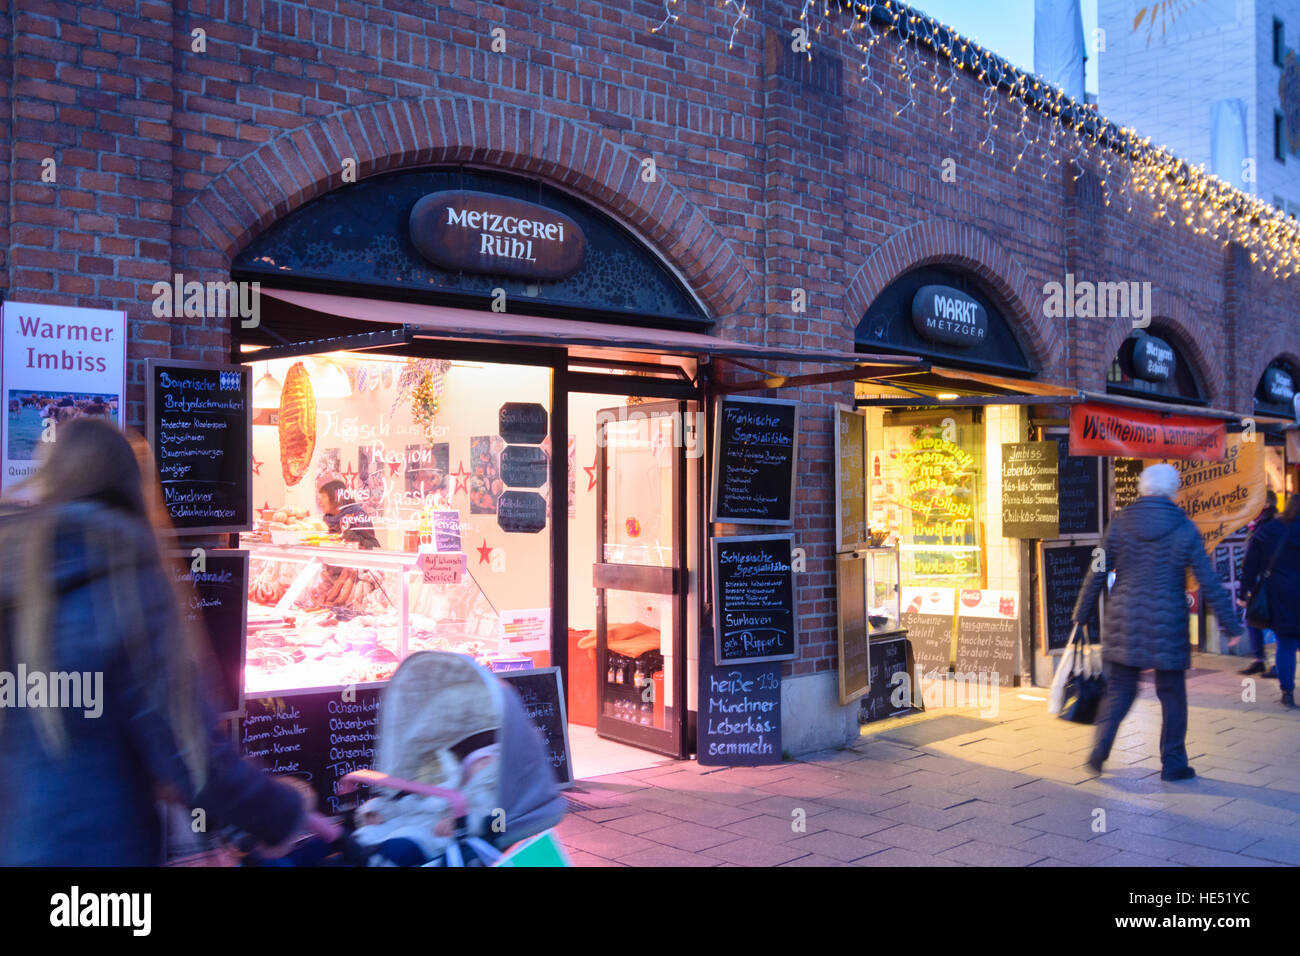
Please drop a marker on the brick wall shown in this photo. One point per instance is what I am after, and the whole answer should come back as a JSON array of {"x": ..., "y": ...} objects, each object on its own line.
[{"x": 774, "y": 174}]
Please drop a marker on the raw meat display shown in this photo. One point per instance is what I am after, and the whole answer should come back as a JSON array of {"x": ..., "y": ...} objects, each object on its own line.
[{"x": 342, "y": 625}]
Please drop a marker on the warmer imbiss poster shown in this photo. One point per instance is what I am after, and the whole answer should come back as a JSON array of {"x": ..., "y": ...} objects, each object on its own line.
[{"x": 59, "y": 363}]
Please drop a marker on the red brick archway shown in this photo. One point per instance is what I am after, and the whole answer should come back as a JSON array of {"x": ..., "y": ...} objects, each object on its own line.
[
  {"x": 301, "y": 164},
  {"x": 1175, "y": 321},
  {"x": 942, "y": 242}
]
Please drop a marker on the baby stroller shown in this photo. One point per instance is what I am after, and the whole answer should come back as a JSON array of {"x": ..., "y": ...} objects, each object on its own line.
[{"x": 460, "y": 772}]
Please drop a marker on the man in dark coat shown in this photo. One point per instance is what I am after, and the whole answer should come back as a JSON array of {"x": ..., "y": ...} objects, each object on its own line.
[
  {"x": 1273, "y": 556},
  {"x": 1149, "y": 546}
]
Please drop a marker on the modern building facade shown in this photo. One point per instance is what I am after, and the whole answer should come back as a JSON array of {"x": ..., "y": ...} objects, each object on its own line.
[{"x": 1216, "y": 81}]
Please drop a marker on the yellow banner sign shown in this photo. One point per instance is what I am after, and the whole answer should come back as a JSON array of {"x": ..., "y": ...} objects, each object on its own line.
[{"x": 1222, "y": 497}]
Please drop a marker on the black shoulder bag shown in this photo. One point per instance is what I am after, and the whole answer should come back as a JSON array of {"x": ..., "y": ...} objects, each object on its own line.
[{"x": 1257, "y": 612}]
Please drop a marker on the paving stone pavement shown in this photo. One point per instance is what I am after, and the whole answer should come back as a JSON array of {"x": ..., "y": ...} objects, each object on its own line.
[{"x": 958, "y": 787}]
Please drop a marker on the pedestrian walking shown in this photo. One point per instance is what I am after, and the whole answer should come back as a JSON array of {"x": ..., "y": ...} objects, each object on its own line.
[
  {"x": 1256, "y": 634},
  {"x": 1273, "y": 564},
  {"x": 103, "y": 686},
  {"x": 1150, "y": 546}
]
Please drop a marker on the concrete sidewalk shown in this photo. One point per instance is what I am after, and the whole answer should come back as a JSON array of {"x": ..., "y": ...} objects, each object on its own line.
[{"x": 950, "y": 788}]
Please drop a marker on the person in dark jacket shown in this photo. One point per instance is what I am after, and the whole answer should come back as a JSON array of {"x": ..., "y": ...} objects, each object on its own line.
[
  {"x": 1256, "y": 634},
  {"x": 90, "y": 621},
  {"x": 1280, "y": 537},
  {"x": 1149, "y": 546}
]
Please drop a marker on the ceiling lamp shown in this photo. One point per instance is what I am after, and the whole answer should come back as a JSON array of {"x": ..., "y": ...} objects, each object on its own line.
[
  {"x": 266, "y": 391},
  {"x": 328, "y": 380}
]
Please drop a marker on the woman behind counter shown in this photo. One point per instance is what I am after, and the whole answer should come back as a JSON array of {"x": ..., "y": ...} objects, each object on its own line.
[{"x": 343, "y": 517}]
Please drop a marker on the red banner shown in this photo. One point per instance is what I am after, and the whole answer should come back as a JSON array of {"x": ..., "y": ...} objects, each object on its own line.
[{"x": 1134, "y": 433}]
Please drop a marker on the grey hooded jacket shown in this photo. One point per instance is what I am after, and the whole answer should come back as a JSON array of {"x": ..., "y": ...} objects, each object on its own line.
[{"x": 1150, "y": 545}]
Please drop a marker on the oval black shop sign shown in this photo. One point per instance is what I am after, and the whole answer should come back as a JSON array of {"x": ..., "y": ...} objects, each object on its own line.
[
  {"x": 472, "y": 231},
  {"x": 950, "y": 316},
  {"x": 1277, "y": 386},
  {"x": 1153, "y": 359}
]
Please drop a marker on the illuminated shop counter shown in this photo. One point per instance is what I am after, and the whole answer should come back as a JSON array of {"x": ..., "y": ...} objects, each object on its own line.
[{"x": 320, "y": 616}]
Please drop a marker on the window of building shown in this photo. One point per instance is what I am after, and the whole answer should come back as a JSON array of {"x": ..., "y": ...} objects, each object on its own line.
[
  {"x": 1279, "y": 42},
  {"x": 1279, "y": 137}
]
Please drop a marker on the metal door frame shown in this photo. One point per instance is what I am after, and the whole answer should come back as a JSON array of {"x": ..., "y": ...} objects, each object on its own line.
[{"x": 654, "y": 580}]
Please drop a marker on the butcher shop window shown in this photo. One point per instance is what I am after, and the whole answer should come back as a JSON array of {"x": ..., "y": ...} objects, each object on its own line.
[{"x": 403, "y": 504}]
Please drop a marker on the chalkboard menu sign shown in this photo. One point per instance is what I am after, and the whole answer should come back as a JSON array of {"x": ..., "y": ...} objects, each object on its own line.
[
  {"x": 854, "y": 651},
  {"x": 1029, "y": 490},
  {"x": 739, "y": 722},
  {"x": 754, "y": 460},
  {"x": 850, "y": 479},
  {"x": 521, "y": 512},
  {"x": 927, "y": 616},
  {"x": 888, "y": 658},
  {"x": 522, "y": 423},
  {"x": 1079, "y": 490},
  {"x": 988, "y": 633},
  {"x": 199, "y": 420},
  {"x": 543, "y": 698},
  {"x": 218, "y": 584},
  {"x": 1064, "y": 568},
  {"x": 319, "y": 735},
  {"x": 753, "y": 599},
  {"x": 1124, "y": 485},
  {"x": 524, "y": 466}
]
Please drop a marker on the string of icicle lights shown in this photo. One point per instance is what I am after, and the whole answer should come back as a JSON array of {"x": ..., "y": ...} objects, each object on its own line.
[{"x": 1047, "y": 122}]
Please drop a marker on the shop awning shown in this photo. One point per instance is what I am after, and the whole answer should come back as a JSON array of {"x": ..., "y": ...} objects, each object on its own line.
[
  {"x": 421, "y": 321},
  {"x": 1167, "y": 408},
  {"x": 957, "y": 387}
]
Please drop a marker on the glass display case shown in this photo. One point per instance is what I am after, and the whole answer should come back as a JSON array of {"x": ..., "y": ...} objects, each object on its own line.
[
  {"x": 880, "y": 566},
  {"x": 328, "y": 616}
]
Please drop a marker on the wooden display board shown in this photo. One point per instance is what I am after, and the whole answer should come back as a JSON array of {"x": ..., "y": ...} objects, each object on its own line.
[
  {"x": 850, "y": 479},
  {"x": 199, "y": 423},
  {"x": 220, "y": 605},
  {"x": 753, "y": 599},
  {"x": 542, "y": 693},
  {"x": 854, "y": 643},
  {"x": 1030, "y": 490},
  {"x": 754, "y": 460}
]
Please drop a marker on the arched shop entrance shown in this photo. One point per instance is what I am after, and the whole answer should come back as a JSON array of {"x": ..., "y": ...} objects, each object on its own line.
[
  {"x": 509, "y": 410},
  {"x": 1277, "y": 410},
  {"x": 1154, "y": 409},
  {"x": 533, "y": 439},
  {"x": 935, "y": 481}
]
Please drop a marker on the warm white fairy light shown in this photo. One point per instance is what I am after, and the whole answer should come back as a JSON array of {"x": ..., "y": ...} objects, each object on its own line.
[
  {"x": 742, "y": 14},
  {"x": 669, "y": 17}
]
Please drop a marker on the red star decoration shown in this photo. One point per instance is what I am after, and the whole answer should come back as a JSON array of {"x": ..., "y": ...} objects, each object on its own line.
[
  {"x": 591, "y": 472},
  {"x": 257, "y": 465},
  {"x": 484, "y": 553},
  {"x": 462, "y": 478},
  {"x": 266, "y": 506},
  {"x": 350, "y": 476},
  {"x": 393, "y": 468}
]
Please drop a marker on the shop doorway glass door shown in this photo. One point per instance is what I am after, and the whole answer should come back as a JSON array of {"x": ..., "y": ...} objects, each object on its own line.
[{"x": 639, "y": 575}]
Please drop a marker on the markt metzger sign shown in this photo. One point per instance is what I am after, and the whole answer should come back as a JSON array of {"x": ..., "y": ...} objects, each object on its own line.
[
  {"x": 949, "y": 316},
  {"x": 483, "y": 232}
]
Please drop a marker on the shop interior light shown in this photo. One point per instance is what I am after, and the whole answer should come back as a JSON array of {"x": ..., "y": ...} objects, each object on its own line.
[
  {"x": 328, "y": 380},
  {"x": 266, "y": 391},
  {"x": 947, "y": 396}
]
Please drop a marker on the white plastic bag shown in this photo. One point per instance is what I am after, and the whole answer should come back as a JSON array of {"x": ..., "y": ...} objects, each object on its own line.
[
  {"x": 1056, "y": 697},
  {"x": 1078, "y": 655}
]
